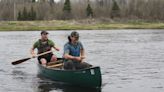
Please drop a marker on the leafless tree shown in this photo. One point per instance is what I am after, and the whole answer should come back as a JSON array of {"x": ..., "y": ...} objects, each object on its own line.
[{"x": 50, "y": 10}]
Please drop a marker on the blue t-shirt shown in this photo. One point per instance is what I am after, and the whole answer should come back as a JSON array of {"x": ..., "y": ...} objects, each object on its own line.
[{"x": 73, "y": 49}]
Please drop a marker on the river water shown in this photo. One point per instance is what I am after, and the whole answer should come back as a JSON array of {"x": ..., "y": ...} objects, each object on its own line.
[{"x": 130, "y": 60}]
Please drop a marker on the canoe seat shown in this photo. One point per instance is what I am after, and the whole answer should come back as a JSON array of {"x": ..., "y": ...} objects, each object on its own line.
[{"x": 56, "y": 65}]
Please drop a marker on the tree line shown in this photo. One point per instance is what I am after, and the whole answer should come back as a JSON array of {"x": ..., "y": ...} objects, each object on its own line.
[{"x": 81, "y": 9}]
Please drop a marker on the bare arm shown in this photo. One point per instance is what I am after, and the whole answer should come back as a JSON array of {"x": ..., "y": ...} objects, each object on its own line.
[
  {"x": 67, "y": 56},
  {"x": 82, "y": 52},
  {"x": 57, "y": 49},
  {"x": 32, "y": 52}
]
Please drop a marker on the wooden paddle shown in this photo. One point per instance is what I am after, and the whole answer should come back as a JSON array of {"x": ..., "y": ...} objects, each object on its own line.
[{"x": 25, "y": 59}]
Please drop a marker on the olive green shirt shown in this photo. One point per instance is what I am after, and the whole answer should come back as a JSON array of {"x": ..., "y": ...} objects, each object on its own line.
[{"x": 43, "y": 46}]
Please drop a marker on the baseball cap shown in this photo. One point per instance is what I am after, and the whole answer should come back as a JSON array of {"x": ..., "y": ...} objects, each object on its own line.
[
  {"x": 44, "y": 32},
  {"x": 75, "y": 34}
]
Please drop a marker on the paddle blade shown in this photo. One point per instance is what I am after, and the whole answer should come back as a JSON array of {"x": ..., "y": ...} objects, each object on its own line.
[{"x": 20, "y": 61}]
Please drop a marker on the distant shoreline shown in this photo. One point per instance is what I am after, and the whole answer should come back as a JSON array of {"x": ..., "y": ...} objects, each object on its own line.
[{"x": 76, "y": 25}]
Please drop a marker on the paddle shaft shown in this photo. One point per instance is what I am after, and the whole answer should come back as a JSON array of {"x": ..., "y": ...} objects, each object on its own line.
[
  {"x": 25, "y": 59},
  {"x": 43, "y": 53}
]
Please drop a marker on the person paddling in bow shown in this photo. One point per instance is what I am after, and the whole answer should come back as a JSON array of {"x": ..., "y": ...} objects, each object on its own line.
[{"x": 74, "y": 53}]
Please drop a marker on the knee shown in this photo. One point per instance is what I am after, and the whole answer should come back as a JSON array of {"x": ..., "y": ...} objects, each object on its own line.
[
  {"x": 43, "y": 61},
  {"x": 68, "y": 65},
  {"x": 53, "y": 58}
]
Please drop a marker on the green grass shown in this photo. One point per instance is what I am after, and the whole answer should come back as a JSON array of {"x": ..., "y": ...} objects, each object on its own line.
[{"x": 75, "y": 25}]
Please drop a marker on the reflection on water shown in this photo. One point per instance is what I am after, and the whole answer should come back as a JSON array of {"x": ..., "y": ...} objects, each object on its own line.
[{"x": 45, "y": 85}]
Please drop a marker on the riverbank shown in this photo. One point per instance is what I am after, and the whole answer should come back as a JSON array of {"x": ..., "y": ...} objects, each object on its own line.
[{"x": 76, "y": 25}]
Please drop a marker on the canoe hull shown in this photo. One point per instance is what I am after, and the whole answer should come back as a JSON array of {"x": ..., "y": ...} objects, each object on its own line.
[{"x": 90, "y": 77}]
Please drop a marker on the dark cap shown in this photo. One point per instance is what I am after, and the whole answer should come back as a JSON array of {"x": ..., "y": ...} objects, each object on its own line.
[
  {"x": 44, "y": 32},
  {"x": 75, "y": 34}
]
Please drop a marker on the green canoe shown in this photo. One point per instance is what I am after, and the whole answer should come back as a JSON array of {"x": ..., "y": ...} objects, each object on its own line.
[{"x": 90, "y": 77}]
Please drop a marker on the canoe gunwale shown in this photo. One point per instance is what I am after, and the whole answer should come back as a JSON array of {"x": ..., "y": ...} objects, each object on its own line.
[{"x": 58, "y": 69}]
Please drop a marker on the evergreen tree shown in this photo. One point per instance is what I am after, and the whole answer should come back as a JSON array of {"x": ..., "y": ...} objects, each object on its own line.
[
  {"x": 52, "y": 2},
  {"x": 33, "y": 1},
  {"x": 89, "y": 11},
  {"x": 115, "y": 10},
  {"x": 32, "y": 14},
  {"x": 19, "y": 16},
  {"x": 29, "y": 16},
  {"x": 115, "y": 6},
  {"x": 67, "y": 10},
  {"x": 67, "y": 6},
  {"x": 25, "y": 14}
]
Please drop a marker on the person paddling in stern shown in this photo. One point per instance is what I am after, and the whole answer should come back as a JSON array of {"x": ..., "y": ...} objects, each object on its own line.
[{"x": 43, "y": 45}]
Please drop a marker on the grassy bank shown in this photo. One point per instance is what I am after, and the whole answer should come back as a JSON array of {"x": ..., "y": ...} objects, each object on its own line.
[{"x": 76, "y": 25}]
